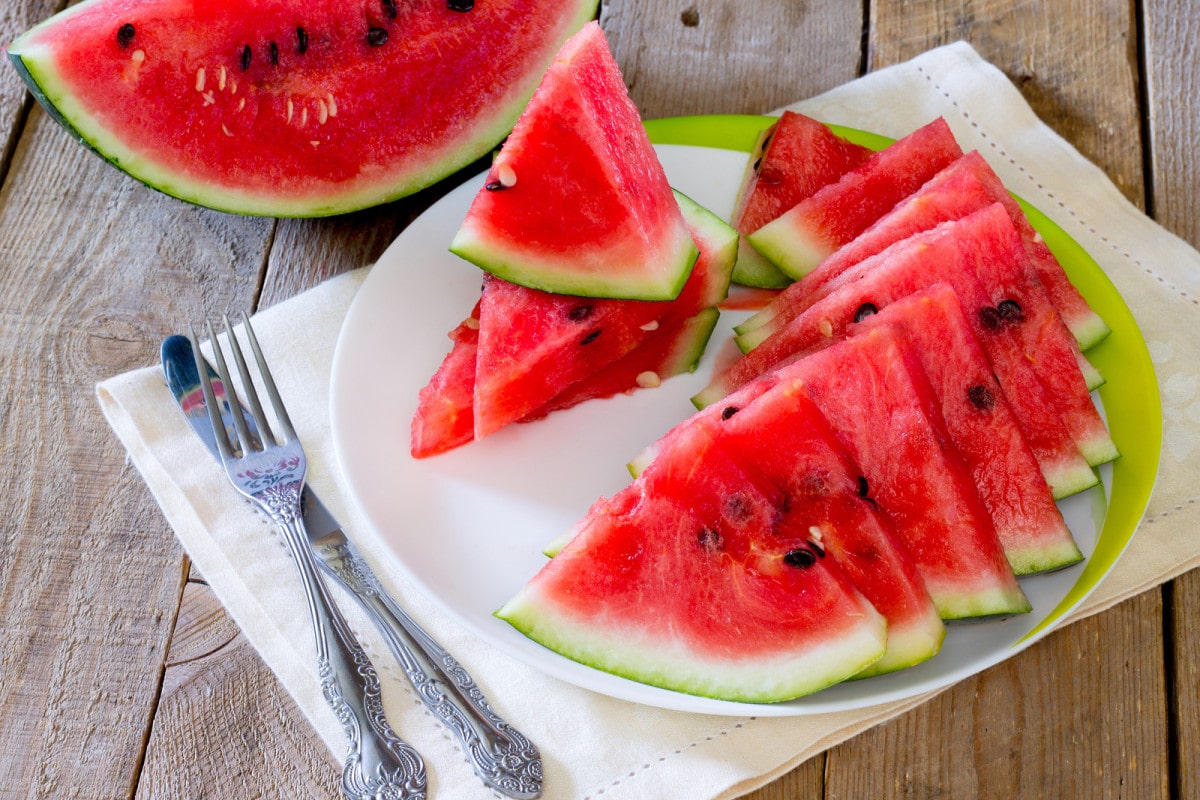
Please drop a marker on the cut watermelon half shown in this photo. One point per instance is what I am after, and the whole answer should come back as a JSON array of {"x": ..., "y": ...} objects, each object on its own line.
[
  {"x": 576, "y": 201},
  {"x": 533, "y": 352},
  {"x": 877, "y": 399},
  {"x": 793, "y": 158},
  {"x": 966, "y": 186},
  {"x": 292, "y": 108},
  {"x": 809, "y": 232},
  {"x": 745, "y": 607},
  {"x": 982, "y": 427}
]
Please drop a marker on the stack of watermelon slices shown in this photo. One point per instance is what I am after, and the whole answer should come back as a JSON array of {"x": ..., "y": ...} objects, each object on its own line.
[
  {"x": 599, "y": 279},
  {"x": 912, "y": 407}
]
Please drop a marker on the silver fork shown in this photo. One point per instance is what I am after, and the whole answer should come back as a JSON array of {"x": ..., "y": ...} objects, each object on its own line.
[{"x": 379, "y": 764}]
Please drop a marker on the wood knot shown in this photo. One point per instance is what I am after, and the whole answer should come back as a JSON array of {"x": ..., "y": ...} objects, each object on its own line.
[{"x": 690, "y": 17}]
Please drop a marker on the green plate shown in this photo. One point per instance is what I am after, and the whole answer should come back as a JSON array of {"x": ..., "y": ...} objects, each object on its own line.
[{"x": 1130, "y": 396}]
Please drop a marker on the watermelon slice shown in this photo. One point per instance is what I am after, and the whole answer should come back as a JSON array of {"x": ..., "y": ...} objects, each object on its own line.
[
  {"x": 746, "y": 607},
  {"x": 982, "y": 427},
  {"x": 962, "y": 188},
  {"x": 877, "y": 398},
  {"x": 792, "y": 159},
  {"x": 576, "y": 201},
  {"x": 803, "y": 458},
  {"x": 533, "y": 352},
  {"x": 292, "y": 108},
  {"x": 952, "y": 253},
  {"x": 809, "y": 232}
]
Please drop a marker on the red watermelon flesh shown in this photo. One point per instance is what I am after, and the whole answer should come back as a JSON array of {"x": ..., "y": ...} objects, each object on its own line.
[
  {"x": 809, "y": 232},
  {"x": 794, "y": 157},
  {"x": 292, "y": 108},
  {"x": 802, "y": 457},
  {"x": 576, "y": 201},
  {"x": 948, "y": 254},
  {"x": 962, "y": 188},
  {"x": 692, "y": 580},
  {"x": 983, "y": 429},
  {"x": 674, "y": 352},
  {"x": 445, "y": 418},
  {"x": 877, "y": 399}
]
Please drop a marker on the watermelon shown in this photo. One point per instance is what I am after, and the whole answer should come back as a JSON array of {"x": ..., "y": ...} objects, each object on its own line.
[
  {"x": 289, "y": 108},
  {"x": 793, "y": 158},
  {"x": 965, "y": 186},
  {"x": 877, "y": 398},
  {"x": 810, "y": 231},
  {"x": 954, "y": 253},
  {"x": 746, "y": 607},
  {"x": 982, "y": 428},
  {"x": 533, "y": 352},
  {"x": 823, "y": 489},
  {"x": 576, "y": 201}
]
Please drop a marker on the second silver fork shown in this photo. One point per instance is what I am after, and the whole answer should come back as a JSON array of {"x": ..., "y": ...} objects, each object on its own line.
[{"x": 379, "y": 764}]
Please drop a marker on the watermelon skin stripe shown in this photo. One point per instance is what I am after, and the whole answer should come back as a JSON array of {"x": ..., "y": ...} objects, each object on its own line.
[{"x": 174, "y": 107}]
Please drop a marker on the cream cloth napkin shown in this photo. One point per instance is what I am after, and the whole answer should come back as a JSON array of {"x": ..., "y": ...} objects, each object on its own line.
[{"x": 592, "y": 745}]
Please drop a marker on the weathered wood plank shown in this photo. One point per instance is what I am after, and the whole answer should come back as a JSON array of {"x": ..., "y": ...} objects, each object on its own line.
[
  {"x": 96, "y": 269},
  {"x": 712, "y": 57}
]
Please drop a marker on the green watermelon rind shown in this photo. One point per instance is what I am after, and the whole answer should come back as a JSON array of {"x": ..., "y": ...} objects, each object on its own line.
[
  {"x": 650, "y": 660},
  {"x": 32, "y": 63}
]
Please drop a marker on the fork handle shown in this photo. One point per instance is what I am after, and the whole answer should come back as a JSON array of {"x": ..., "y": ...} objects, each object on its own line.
[
  {"x": 502, "y": 757},
  {"x": 379, "y": 763}
]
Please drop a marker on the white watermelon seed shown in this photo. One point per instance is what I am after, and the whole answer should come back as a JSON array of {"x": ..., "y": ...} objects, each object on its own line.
[
  {"x": 322, "y": 112},
  {"x": 200, "y": 80},
  {"x": 332, "y": 105},
  {"x": 291, "y": 108},
  {"x": 652, "y": 325},
  {"x": 226, "y": 130},
  {"x": 826, "y": 327},
  {"x": 221, "y": 78},
  {"x": 508, "y": 178},
  {"x": 138, "y": 55},
  {"x": 648, "y": 379}
]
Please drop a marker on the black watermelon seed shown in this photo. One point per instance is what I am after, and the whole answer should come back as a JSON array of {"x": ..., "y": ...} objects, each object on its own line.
[
  {"x": 800, "y": 558},
  {"x": 757, "y": 164},
  {"x": 729, "y": 411},
  {"x": 820, "y": 551},
  {"x": 377, "y": 37},
  {"x": 247, "y": 54},
  {"x": 301, "y": 41},
  {"x": 494, "y": 186},
  {"x": 990, "y": 319},
  {"x": 389, "y": 8},
  {"x": 273, "y": 52},
  {"x": 1010, "y": 311},
  {"x": 863, "y": 487},
  {"x": 591, "y": 337},
  {"x": 579, "y": 313},
  {"x": 709, "y": 539},
  {"x": 981, "y": 397},
  {"x": 864, "y": 311},
  {"x": 460, "y": 5},
  {"x": 125, "y": 35}
]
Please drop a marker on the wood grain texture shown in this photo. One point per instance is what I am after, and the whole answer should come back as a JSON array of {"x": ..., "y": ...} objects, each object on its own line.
[
  {"x": 1184, "y": 672},
  {"x": 90, "y": 576},
  {"x": 709, "y": 57}
]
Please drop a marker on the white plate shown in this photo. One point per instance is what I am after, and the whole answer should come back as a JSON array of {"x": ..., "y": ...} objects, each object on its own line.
[{"x": 469, "y": 526}]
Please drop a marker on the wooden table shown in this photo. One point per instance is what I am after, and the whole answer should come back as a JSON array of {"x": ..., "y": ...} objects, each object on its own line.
[{"x": 120, "y": 676}]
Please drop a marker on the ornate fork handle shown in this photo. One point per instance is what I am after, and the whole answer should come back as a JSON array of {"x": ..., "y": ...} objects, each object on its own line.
[
  {"x": 379, "y": 765},
  {"x": 500, "y": 755}
]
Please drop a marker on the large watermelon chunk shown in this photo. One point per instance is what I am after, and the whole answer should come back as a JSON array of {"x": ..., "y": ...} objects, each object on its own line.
[
  {"x": 806, "y": 234},
  {"x": 966, "y": 186},
  {"x": 793, "y": 158},
  {"x": 877, "y": 398},
  {"x": 952, "y": 253},
  {"x": 982, "y": 427},
  {"x": 695, "y": 580},
  {"x": 576, "y": 201},
  {"x": 530, "y": 352},
  {"x": 290, "y": 108}
]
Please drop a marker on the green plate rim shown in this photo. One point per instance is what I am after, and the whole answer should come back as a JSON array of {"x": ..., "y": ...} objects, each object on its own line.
[{"x": 1132, "y": 403}]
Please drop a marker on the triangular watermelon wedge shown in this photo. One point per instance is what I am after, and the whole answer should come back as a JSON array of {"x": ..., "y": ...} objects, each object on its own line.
[
  {"x": 793, "y": 158},
  {"x": 966, "y": 186},
  {"x": 576, "y": 201},
  {"x": 810, "y": 231},
  {"x": 692, "y": 579},
  {"x": 949, "y": 253},
  {"x": 877, "y": 399}
]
